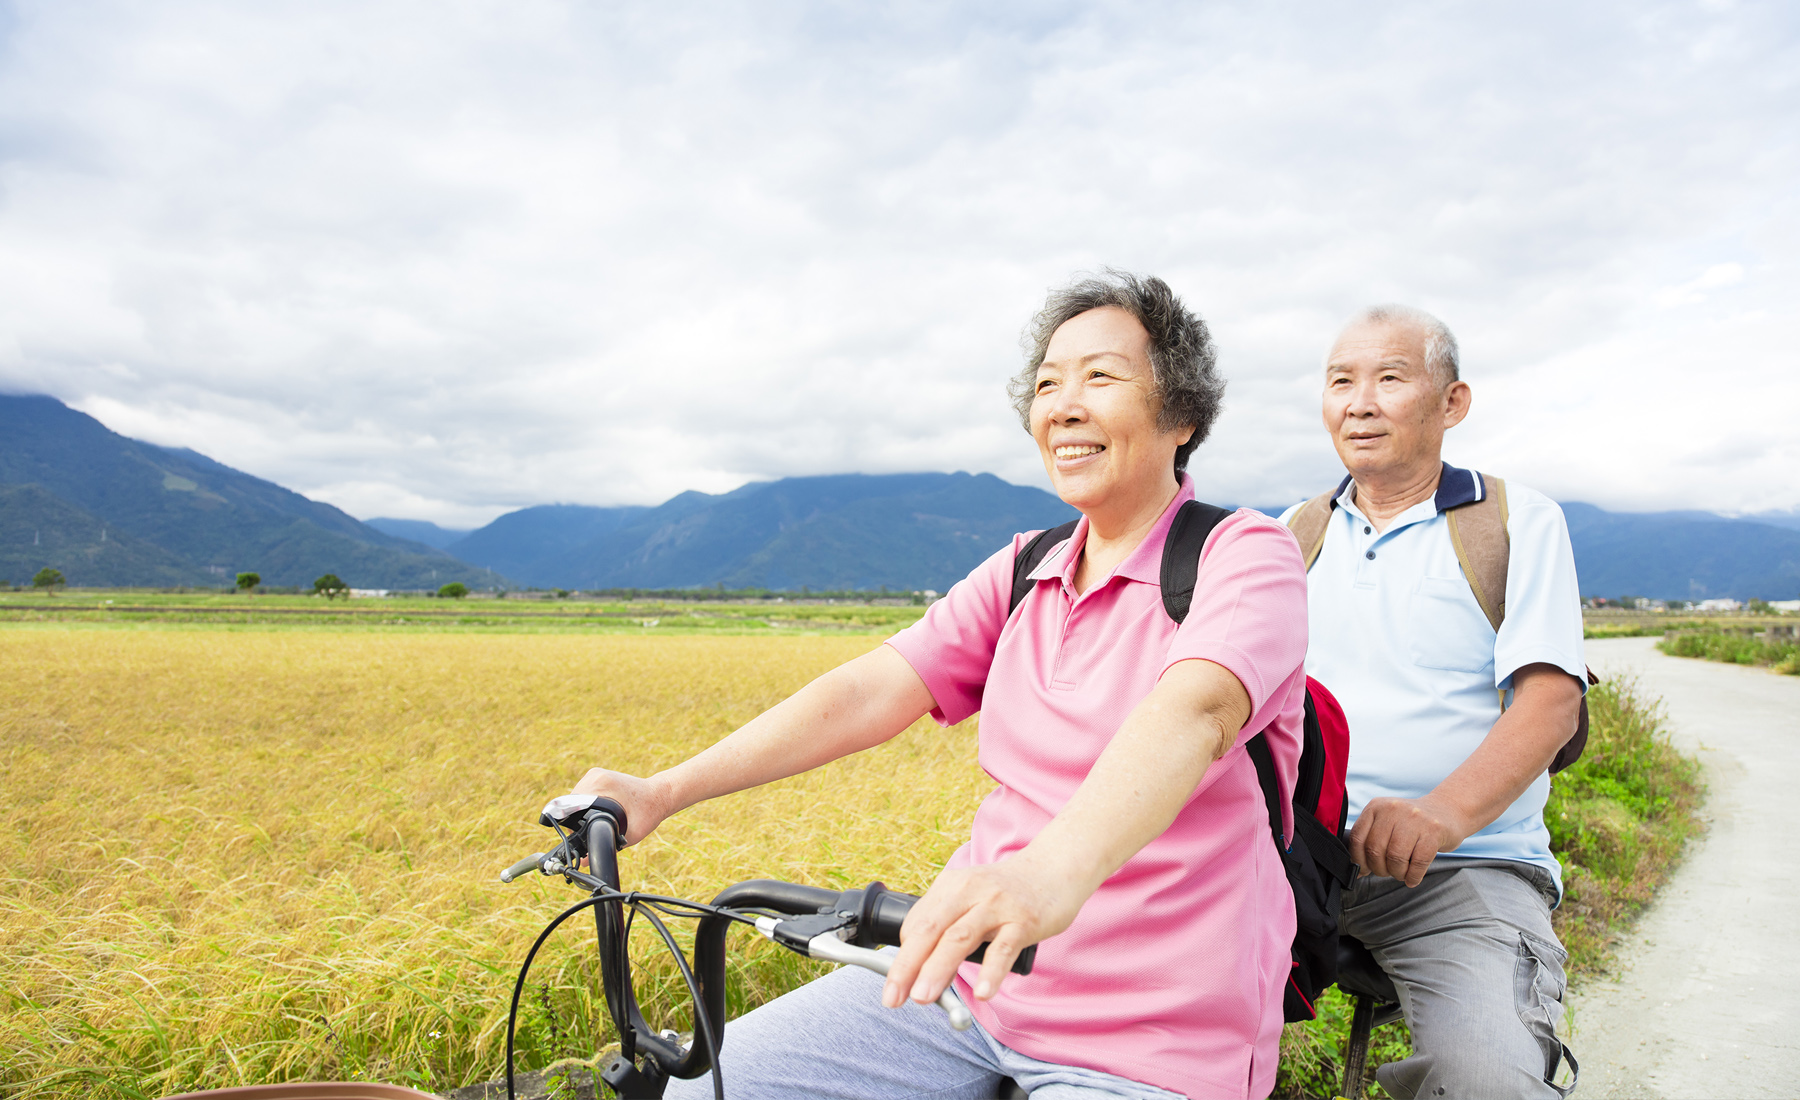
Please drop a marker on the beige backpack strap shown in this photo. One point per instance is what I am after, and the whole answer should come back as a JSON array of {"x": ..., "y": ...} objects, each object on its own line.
[
  {"x": 1308, "y": 525},
  {"x": 1478, "y": 531}
]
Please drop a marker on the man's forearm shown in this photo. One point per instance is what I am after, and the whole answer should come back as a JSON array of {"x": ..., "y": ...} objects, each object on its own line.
[
  {"x": 853, "y": 707},
  {"x": 1517, "y": 750}
]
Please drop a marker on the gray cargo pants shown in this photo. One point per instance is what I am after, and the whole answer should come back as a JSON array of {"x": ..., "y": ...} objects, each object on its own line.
[{"x": 1479, "y": 973}]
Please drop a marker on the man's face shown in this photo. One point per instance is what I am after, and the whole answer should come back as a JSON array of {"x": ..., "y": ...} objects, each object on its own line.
[
  {"x": 1386, "y": 411},
  {"x": 1094, "y": 413}
]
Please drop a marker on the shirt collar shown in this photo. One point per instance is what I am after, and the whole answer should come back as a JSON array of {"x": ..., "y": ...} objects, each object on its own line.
[
  {"x": 1456, "y": 487},
  {"x": 1143, "y": 564}
]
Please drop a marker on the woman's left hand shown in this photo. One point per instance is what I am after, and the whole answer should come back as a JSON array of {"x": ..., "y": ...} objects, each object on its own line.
[{"x": 1008, "y": 905}]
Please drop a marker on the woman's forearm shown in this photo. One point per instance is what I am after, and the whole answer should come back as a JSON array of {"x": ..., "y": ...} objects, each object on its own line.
[
  {"x": 853, "y": 707},
  {"x": 1143, "y": 778},
  {"x": 1145, "y": 775}
]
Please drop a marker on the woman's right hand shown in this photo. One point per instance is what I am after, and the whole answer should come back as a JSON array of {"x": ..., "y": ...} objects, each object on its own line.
[{"x": 646, "y": 801}]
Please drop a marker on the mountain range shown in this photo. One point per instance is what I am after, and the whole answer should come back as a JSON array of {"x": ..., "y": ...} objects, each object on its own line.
[
  {"x": 108, "y": 510},
  {"x": 837, "y": 532},
  {"x": 103, "y": 509}
]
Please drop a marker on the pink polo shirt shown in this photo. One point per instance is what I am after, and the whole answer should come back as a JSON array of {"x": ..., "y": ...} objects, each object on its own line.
[{"x": 1172, "y": 973}]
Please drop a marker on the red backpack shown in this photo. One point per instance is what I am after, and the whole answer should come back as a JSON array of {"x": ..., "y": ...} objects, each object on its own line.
[{"x": 1316, "y": 859}]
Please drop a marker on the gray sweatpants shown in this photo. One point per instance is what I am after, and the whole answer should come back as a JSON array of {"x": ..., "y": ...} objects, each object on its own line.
[
  {"x": 1479, "y": 973},
  {"x": 831, "y": 1039}
]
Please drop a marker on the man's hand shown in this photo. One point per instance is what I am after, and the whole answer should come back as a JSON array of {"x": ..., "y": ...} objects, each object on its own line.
[
  {"x": 1399, "y": 837},
  {"x": 1008, "y": 905}
]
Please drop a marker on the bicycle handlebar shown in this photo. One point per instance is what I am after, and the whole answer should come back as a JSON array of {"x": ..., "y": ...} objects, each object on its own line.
[{"x": 843, "y": 927}]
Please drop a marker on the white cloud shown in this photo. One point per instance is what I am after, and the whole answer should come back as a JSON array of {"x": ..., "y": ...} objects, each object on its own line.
[{"x": 443, "y": 260}]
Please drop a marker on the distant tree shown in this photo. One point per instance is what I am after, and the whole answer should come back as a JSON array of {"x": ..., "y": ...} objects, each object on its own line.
[
  {"x": 248, "y": 581},
  {"x": 48, "y": 579},
  {"x": 455, "y": 590},
  {"x": 330, "y": 587},
  {"x": 560, "y": 593}
]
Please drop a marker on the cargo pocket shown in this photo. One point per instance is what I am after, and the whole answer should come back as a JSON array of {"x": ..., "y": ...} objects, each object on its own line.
[{"x": 1538, "y": 988}]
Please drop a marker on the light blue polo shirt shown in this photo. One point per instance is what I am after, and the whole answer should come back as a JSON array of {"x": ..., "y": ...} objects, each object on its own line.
[{"x": 1397, "y": 636}]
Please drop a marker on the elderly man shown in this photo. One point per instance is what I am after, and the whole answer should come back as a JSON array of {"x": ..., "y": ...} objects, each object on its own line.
[{"x": 1456, "y": 711}]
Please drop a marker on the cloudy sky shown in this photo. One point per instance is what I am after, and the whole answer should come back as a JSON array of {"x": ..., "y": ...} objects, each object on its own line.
[{"x": 445, "y": 259}]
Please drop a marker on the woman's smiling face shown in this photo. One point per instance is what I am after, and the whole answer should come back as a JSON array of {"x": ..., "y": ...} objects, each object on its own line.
[{"x": 1093, "y": 415}]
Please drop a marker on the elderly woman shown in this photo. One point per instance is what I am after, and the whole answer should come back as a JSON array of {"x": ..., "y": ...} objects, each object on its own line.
[{"x": 1127, "y": 834}]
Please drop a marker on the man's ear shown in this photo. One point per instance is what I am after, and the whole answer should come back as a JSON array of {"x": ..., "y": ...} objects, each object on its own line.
[{"x": 1457, "y": 398}]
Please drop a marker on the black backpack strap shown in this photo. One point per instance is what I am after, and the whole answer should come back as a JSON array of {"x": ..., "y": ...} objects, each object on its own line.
[
  {"x": 1325, "y": 848},
  {"x": 1181, "y": 556},
  {"x": 1031, "y": 556},
  {"x": 1258, "y": 748}
]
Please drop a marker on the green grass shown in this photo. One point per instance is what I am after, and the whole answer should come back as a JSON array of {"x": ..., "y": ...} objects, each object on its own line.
[
  {"x": 481, "y": 615},
  {"x": 1651, "y": 625},
  {"x": 1736, "y": 649},
  {"x": 1619, "y": 818}
]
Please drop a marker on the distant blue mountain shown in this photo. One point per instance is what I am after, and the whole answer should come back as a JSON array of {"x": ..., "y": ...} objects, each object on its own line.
[
  {"x": 108, "y": 510},
  {"x": 1789, "y": 520},
  {"x": 417, "y": 530},
  {"x": 839, "y": 532},
  {"x": 519, "y": 543},
  {"x": 911, "y": 531},
  {"x": 1682, "y": 555}
]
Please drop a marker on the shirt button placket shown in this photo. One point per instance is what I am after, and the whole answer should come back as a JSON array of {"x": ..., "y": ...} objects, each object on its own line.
[
  {"x": 1062, "y": 639},
  {"x": 1365, "y": 574}
]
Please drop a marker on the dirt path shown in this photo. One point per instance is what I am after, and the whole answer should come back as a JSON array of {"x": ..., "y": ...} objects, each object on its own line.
[{"x": 1708, "y": 992}]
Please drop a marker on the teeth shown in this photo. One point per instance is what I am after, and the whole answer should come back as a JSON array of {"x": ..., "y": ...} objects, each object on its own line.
[{"x": 1077, "y": 452}]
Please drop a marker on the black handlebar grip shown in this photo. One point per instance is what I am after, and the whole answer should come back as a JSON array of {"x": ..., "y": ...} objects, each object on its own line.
[
  {"x": 880, "y": 912},
  {"x": 1021, "y": 965},
  {"x": 615, "y": 811}
]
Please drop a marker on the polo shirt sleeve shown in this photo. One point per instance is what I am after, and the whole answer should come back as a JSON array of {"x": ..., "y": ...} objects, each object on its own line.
[
  {"x": 1249, "y": 611},
  {"x": 1543, "y": 596},
  {"x": 952, "y": 646}
]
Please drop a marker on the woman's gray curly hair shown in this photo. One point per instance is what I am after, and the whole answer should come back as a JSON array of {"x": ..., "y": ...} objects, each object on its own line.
[{"x": 1183, "y": 358}]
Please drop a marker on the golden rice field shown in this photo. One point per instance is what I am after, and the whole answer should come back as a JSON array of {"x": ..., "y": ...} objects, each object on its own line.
[{"x": 242, "y": 857}]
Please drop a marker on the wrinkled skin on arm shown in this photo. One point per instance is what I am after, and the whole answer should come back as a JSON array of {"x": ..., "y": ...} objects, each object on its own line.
[
  {"x": 1400, "y": 837},
  {"x": 1140, "y": 782}
]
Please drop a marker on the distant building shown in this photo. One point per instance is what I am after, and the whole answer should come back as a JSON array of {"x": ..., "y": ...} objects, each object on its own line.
[
  {"x": 1726, "y": 604},
  {"x": 367, "y": 593},
  {"x": 1786, "y": 607}
]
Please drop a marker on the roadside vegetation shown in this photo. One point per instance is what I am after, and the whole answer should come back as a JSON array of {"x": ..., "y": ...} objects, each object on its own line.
[
  {"x": 1645, "y": 625},
  {"x": 1737, "y": 648},
  {"x": 259, "y": 853}
]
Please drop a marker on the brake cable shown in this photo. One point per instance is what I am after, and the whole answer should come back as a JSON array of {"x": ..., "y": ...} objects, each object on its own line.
[{"x": 649, "y": 905}]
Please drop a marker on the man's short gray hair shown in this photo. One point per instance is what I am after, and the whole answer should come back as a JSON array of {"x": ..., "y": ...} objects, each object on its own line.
[
  {"x": 1441, "y": 356},
  {"x": 1183, "y": 357}
]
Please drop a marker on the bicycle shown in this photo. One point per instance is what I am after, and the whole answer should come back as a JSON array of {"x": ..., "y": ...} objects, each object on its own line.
[{"x": 844, "y": 927}]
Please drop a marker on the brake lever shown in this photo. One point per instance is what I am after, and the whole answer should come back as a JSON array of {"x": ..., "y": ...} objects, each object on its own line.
[{"x": 830, "y": 946}]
